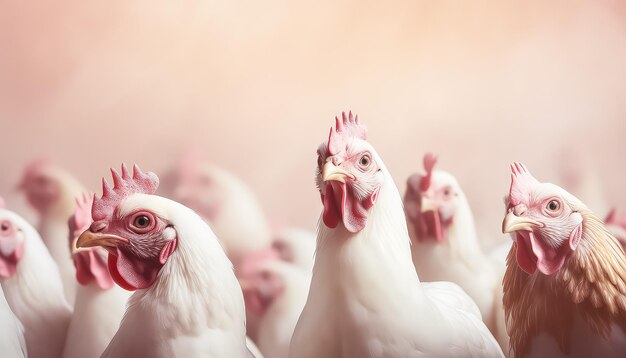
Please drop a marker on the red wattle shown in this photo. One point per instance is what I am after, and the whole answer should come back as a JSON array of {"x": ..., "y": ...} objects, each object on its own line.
[
  {"x": 91, "y": 267},
  {"x": 526, "y": 260},
  {"x": 8, "y": 264},
  {"x": 340, "y": 202}
]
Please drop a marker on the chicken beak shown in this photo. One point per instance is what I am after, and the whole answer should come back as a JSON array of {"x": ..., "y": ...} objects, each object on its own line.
[
  {"x": 75, "y": 249},
  {"x": 427, "y": 205},
  {"x": 332, "y": 172},
  {"x": 90, "y": 239},
  {"x": 513, "y": 223}
]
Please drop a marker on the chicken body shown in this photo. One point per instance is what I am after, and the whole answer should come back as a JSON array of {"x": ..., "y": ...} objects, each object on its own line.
[
  {"x": 35, "y": 293},
  {"x": 96, "y": 319},
  {"x": 12, "y": 343},
  {"x": 365, "y": 298}
]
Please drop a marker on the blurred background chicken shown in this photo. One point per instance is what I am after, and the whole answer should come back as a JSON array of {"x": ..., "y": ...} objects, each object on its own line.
[
  {"x": 445, "y": 246},
  {"x": 275, "y": 292},
  {"x": 52, "y": 191},
  {"x": 565, "y": 283},
  {"x": 32, "y": 286},
  {"x": 100, "y": 304},
  {"x": 224, "y": 201}
]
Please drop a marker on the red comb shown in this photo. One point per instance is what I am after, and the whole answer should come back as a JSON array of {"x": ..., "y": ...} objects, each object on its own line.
[
  {"x": 82, "y": 214},
  {"x": 123, "y": 186},
  {"x": 346, "y": 128},
  {"x": 521, "y": 182},
  {"x": 429, "y": 163}
]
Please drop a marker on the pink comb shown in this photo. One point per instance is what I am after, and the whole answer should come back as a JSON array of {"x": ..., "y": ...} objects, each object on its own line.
[
  {"x": 429, "y": 163},
  {"x": 82, "y": 214},
  {"x": 348, "y": 127},
  {"x": 521, "y": 182},
  {"x": 123, "y": 186},
  {"x": 1, "y": 203}
]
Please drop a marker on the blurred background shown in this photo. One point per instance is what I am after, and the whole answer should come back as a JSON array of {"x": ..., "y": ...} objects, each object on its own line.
[{"x": 255, "y": 86}]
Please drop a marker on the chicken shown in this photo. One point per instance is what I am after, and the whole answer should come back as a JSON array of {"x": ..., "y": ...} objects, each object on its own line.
[
  {"x": 565, "y": 283},
  {"x": 187, "y": 301},
  {"x": 100, "y": 304},
  {"x": 275, "y": 292},
  {"x": 616, "y": 224},
  {"x": 226, "y": 202},
  {"x": 445, "y": 245},
  {"x": 51, "y": 190},
  {"x": 296, "y": 246},
  {"x": 365, "y": 298},
  {"x": 32, "y": 286}
]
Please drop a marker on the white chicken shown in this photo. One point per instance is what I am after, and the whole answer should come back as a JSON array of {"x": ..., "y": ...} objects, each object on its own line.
[
  {"x": 100, "y": 304},
  {"x": 275, "y": 292},
  {"x": 226, "y": 202},
  {"x": 32, "y": 286},
  {"x": 366, "y": 299},
  {"x": 445, "y": 245},
  {"x": 188, "y": 302},
  {"x": 52, "y": 191},
  {"x": 295, "y": 245}
]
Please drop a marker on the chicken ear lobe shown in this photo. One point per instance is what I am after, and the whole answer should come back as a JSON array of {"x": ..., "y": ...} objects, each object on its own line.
[{"x": 575, "y": 236}]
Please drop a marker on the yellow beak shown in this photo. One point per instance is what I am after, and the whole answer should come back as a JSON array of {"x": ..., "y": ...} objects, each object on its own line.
[
  {"x": 90, "y": 239},
  {"x": 428, "y": 205},
  {"x": 332, "y": 172},
  {"x": 513, "y": 222}
]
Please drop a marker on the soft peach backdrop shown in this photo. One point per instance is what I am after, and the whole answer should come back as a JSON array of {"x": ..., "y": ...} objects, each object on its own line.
[{"x": 256, "y": 85}]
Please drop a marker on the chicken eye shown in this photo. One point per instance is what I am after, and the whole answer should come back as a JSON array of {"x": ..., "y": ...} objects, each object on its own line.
[
  {"x": 553, "y": 205},
  {"x": 365, "y": 161},
  {"x": 4, "y": 226},
  {"x": 142, "y": 221}
]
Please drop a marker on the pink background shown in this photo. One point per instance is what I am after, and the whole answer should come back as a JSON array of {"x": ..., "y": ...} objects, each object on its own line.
[{"x": 256, "y": 85}]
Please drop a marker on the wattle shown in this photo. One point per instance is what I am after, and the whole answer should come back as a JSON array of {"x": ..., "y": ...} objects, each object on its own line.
[
  {"x": 91, "y": 267},
  {"x": 133, "y": 273},
  {"x": 533, "y": 253},
  {"x": 8, "y": 264},
  {"x": 341, "y": 203}
]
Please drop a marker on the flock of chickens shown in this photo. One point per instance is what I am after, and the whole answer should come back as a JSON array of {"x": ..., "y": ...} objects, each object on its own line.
[{"x": 198, "y": 271}]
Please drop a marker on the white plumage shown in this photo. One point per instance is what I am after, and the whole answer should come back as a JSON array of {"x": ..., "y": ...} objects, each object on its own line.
[{"x": 12, "y": 343}]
